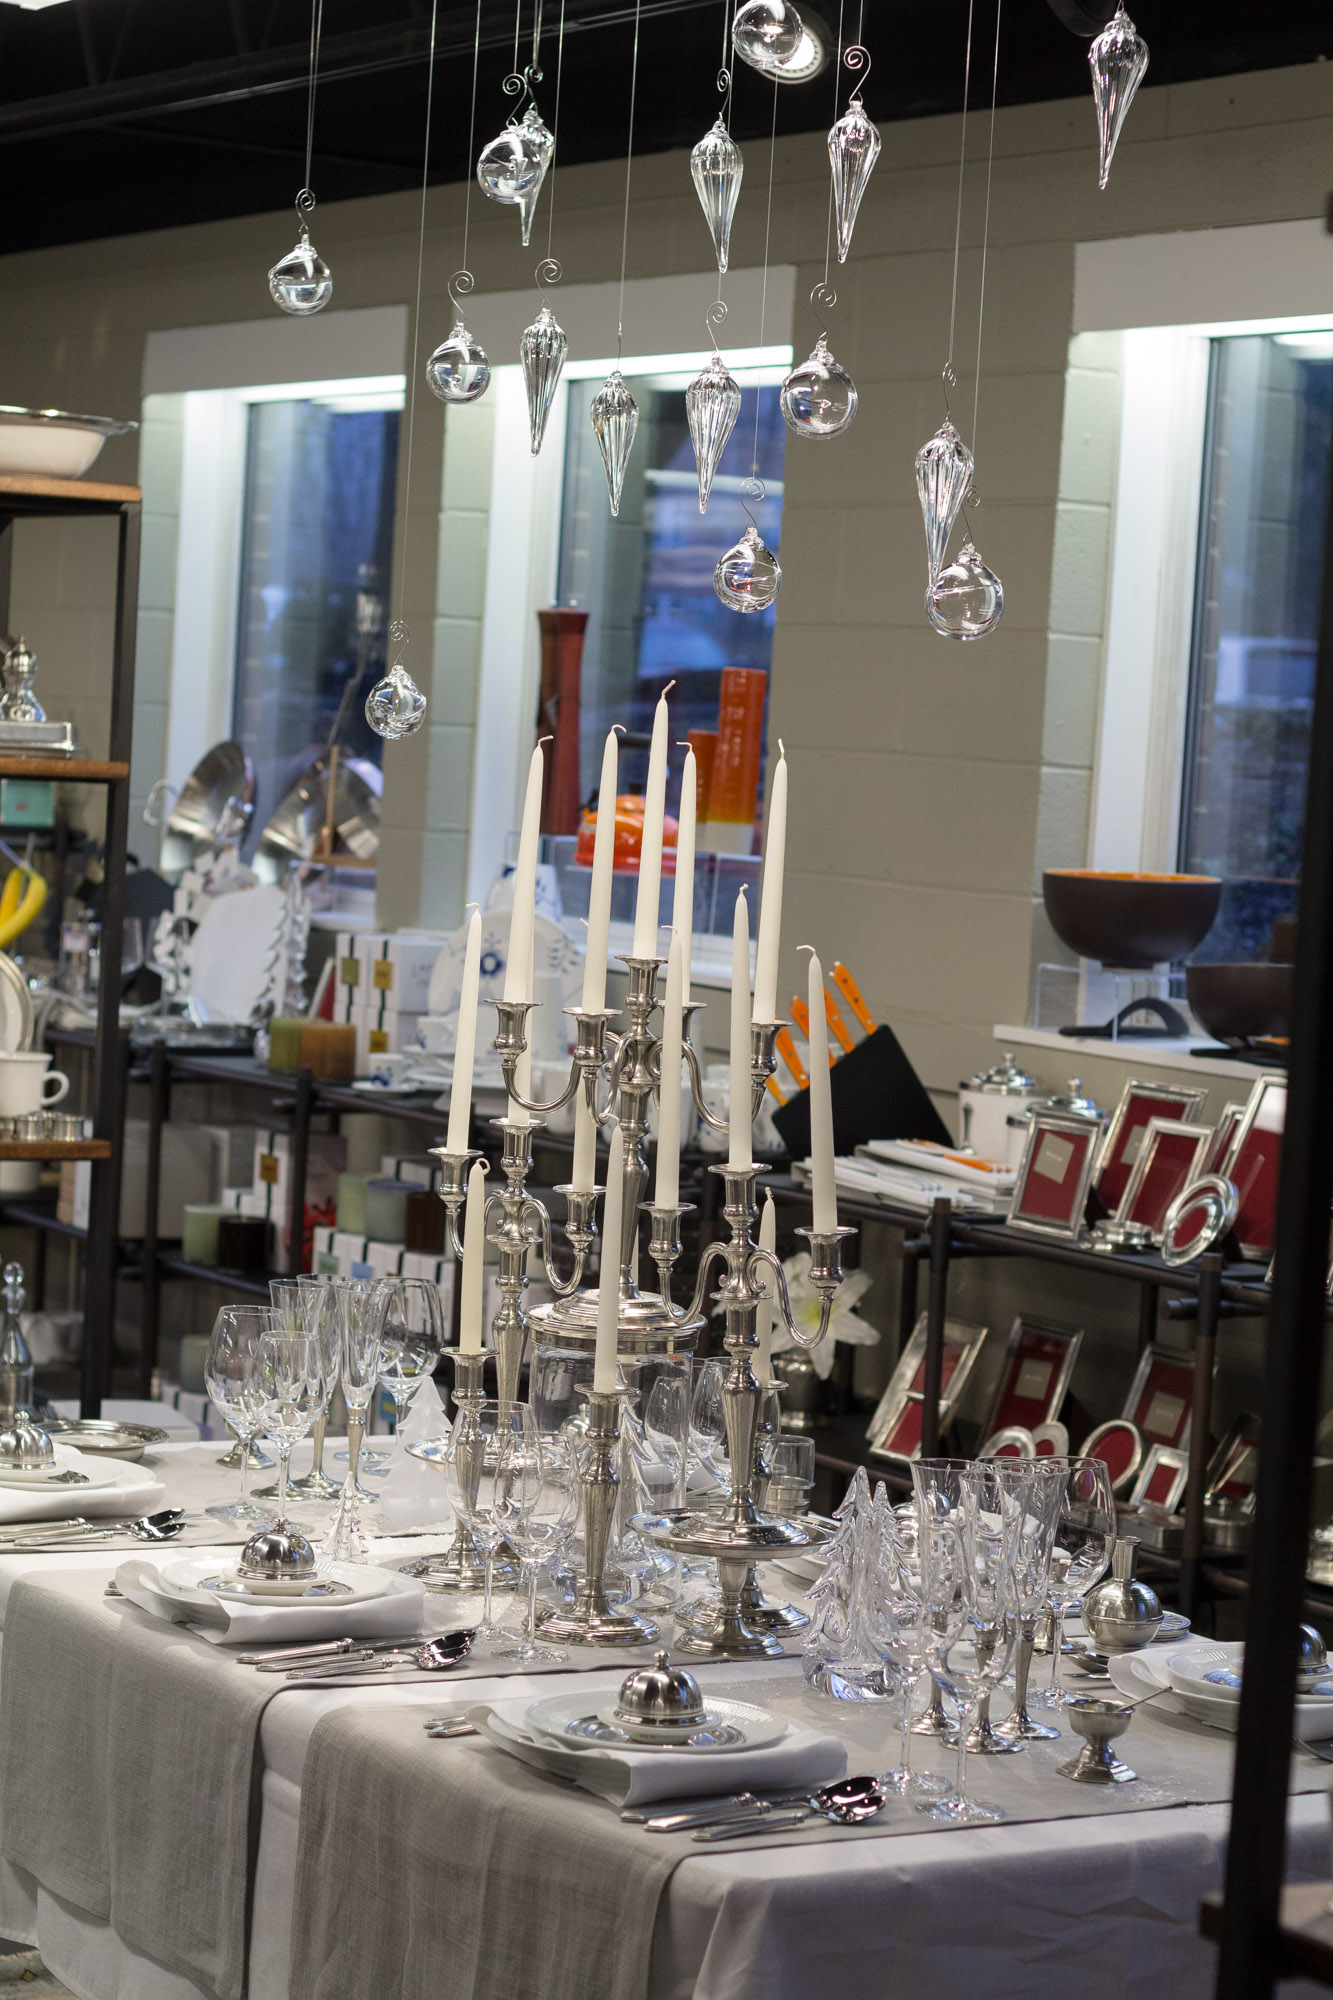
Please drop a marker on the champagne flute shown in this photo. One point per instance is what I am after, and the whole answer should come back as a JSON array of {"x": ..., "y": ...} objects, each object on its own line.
[
  {"x": 1084, "y": 1533},
  {"x": 290, "y": 1376},
  {"x": 230, "y": 1376}
]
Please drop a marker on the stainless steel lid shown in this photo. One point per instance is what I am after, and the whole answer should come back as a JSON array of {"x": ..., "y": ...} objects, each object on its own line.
[
  {"x": 1002, "y": 1079},
  {"x": 279, "y": 1554},
  {"x": 23, "y": 1445},
  {"x": 661, "y": 1694},
  {"x": 1071, "y": 1101}
]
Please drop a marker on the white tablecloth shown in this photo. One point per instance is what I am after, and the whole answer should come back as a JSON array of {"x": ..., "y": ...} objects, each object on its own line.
[{"x": 1109, "y": 1905}]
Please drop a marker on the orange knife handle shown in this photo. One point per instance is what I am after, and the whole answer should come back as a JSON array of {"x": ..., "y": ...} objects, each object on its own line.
[
  {"x": 851, "y": 993},
  {"x": 787, "y": 1050},
  {"x": 800, "y": 1013},
  {"x": 841, "y": 1032}
]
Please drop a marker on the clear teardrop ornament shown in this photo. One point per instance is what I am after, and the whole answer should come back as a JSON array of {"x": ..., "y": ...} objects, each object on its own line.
[
  {"x": 966, "y": 600},
  {"x": 513, "y": 166},
  {"x": 459, "y": 370},
  {"x": 819, "y": 398},
  {"x": 543, "y": 349},
  {"x": 712, "y": 405},
  {"x": 748, "y": 577},
  {"x": 716, "y": 168},
  {"x": 943, "y": 475},
  {"x": 766, "y": 32},
  {"x": 396, "y": 706},
  {"x": 301, "y": 282},
  {"x": 615, "y": 418},
  {"x": 853, "y": 148},
  {"x": 1118, "y": 59}
]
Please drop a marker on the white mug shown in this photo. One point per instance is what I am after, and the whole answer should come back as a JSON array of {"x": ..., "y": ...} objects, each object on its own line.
[{"x": 24, "y": 1082}]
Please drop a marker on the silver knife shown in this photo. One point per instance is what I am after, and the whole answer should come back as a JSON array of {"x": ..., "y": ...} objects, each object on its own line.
[
  {"x": 774, "y": 1822},
  {"x": 289, "y": 1653},
  {"x": 743, "y": 1807},
  {"x": 357, "y": 1656}
]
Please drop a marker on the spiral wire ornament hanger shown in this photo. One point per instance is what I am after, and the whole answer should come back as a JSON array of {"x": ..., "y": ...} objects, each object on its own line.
[
  {"x": 395, "y": 706},
  {"x": 543, "y": 347},
  {"x": 301, "y": 282},
  {"x": 748, "y": 575},
  {"x": 459, "y": 371},
  {"x": 512, "y": 167},
  {"x": 614, "y": 413}
]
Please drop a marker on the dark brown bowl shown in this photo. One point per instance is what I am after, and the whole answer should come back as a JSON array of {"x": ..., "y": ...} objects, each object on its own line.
[
  {"x": 1237, "y": 1002},
  {"x": 1130, "y": 920}
]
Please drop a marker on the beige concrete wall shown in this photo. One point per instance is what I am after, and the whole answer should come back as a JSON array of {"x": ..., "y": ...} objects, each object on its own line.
[{"x": 928, "y": 780}]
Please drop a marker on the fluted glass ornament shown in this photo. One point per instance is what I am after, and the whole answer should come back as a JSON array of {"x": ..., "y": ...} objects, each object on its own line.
[
  {"x": 615, "y": 418},
  {"x": 712, "y": 405},
  {"x": 512, "y": 168},
  {"x": 748, "y": 577},
  {"x": 459, "y": 370},
  {"x": 542, "y": 350},
  {"x": 301, "y": 282},
  {"x": 716, "y": 169},
  {"x": 819, "y": 398},
  {"x": 1118, "y": 59},
  {"x": 966, "y": 600},
  {"x": 766, "y": 32},
  {"x": 943, "y": 475},
  {"x": 396, "y": 706},
  {"x": 853, "y": 148}
]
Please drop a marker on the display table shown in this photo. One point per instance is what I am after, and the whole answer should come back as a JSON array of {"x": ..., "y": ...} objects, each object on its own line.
[{"x": 1111, "y": 1901}]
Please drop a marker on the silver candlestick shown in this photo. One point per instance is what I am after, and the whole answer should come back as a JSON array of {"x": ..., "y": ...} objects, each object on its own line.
[
  {"x": 591, "y": 1621},
  {"x": 462, "y": 1566}
]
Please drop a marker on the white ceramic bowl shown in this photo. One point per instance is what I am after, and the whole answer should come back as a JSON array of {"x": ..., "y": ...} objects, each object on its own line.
[{"x": 53, "y": 444}]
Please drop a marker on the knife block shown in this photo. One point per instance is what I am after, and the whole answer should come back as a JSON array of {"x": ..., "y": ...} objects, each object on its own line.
[{"x": 876, "y": 1094}]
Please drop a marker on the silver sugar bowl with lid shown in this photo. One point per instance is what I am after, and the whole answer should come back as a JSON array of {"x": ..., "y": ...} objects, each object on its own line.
[{"x": 1122, "y": 1613}]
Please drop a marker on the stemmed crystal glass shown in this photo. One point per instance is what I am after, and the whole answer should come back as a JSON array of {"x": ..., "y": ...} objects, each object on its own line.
[
  {"x": 708, "y": 1433},
  {"x": 1039, "y": 1486},
  {"x": 966, "y": 1550},
  {"x": 411, "y": 1330},
  {"x": 290, "y": 1376},
  {"x": 537, "y": 1509},
  {"x": 307, "y": 1305},
  {"x": 233, "y": 1387},
  {"x": 481, "y": 1435},
  {"x": 1084, "y": 1533},
  {"x": 897, "y": 1624},
  {"x": 360, "y": 1365}
]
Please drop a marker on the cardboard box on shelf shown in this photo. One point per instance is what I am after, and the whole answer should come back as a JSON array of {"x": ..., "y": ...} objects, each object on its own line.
[
  {"x": 398, "y": 971},
  {"x": 326, "y": 1158}
]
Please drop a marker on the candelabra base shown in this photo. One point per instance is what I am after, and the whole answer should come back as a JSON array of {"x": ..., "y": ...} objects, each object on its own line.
[
  {"x": 723, "y": 1629},
  {"x": 645, "y": 1325},
  {"x": 763, "y": 1615},
  {"x": 597, "y": 1625}
]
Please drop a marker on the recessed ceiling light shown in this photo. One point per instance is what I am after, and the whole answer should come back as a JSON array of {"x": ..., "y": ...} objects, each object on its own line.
[{"x": 32, "y": 5}]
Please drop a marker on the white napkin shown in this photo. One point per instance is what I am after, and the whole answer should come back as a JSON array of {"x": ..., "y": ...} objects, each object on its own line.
[
  {"x": 399, "y": 1612},
  {"x": 412, "y": 1492},
  {"x": 638, "y": 1777},
  {"x": 136, "y": 1491}
]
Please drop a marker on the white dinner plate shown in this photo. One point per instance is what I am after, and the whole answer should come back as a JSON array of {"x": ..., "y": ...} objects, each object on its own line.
[
  {"x": 96, "y": 1474},
  {"x": 570, "y": 1721},
  {"x": 358, "y": 1584},
  {"x": 1138, "y": 1674}
]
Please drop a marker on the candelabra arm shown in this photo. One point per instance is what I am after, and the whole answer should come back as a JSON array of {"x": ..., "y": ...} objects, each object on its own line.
[
  {"x": 453, "y": 1235},
  {"x": 536, "y": 1213},
  {"x": 712, "y": 1255},
  {"x": 509, "y": 1064},
  {"x": 511, "y": 1040},
  {"x": 825, "y": 1278},
  {"x": 714, "y": 1123}
]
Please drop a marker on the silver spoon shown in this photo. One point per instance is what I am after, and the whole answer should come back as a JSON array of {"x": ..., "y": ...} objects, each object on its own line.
[
  {"x": 847, "y": 1802},
  {"x": 437, "y": 1656}
]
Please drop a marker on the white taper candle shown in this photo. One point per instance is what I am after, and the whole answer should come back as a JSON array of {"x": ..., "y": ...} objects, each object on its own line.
[
  {"x": 668, "y": 1105},
  {"x": 823, "y": 1188},
  {"x": 682, "y": 902},
  {"x": 770, "y": 900},
  {"x": 768, "y": 1240},
  {"x": 650, "y": 850},
  {"x": 599, "y": 895},
  {"x": 739, "y": 1116},
  {"x": 465, "y": 1042},
  {"x": 474, "y": 1261},
  {"x": 525, "y": 884}
]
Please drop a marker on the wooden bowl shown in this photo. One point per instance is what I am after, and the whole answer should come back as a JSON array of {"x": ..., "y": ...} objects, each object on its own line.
[
  {"x": 1130, "y": 920},
  {"x": 1237, "y": 1002}
]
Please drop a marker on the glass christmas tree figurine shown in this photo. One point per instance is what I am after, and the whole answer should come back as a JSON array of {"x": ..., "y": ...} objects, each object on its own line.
[
  {"x": 542, "y": 351},
  {"x": 966, "y": 600},
  {"x": 853, "y": 148},
  {"x": 943, "y": 475},
  {"x": 615, "y": 418},
  {"x": 748, "y": 577},
  {"x": 1118, "y": 59},
  {"x": 712, "y": 405},
  {"x": 716, "y": 169}
]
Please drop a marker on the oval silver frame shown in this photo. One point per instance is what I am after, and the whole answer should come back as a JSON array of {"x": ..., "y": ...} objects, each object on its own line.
[{"x": 1217, "y": 1196}]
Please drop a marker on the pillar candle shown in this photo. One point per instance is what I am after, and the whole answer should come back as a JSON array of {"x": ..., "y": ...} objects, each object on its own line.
[
  {"x": 525, "y": 885},
  {"x": 822, "y": 1185},
  {"x": 768, "y": 1240},
  {"x": 465, "y": 1042},
  {"x": 682, "y": 903},
  {"x": 599, "y": 896},
  {"x": 585, "y": 1146},
  {"x": 739, "y": 1117},
  {"x": 474, "y": 1259},
  {"x": 668, "y": 1103},
  {"x": 650, "y": 850},
  {"x": 770, "y": 902},
  {"x": 608, "y": 1285}
]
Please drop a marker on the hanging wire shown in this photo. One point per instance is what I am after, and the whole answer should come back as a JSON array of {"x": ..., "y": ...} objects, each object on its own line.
[
  {"x": 471, "y": 143},
  {"x": 416, "y": 315},
  {"x": 950, "y": 379},
  {"x": 555, "y": 133},
  {"x": 305, "y": 200},
  {"x": 727, "y": 67},
  {"x": 763, "y": 295},
  {"x": 985, "y": 234},
  {"x": 629, "y": 169},
  {"x": 828, "y": 225}
]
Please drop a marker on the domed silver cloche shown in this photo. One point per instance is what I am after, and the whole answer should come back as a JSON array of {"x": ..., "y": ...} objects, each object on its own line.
[
  {"x": 22, "y": 1445},
  {"x": 660, "y": 1696}
]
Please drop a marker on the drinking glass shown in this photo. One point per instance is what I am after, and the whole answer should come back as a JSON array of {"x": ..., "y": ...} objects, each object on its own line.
[
  {"x": 538, "y": 1510},
  {"x": 411, "y": 1340},
  {"x": 966, "y": 1539},
  {"x": 898, "y": 1628},
  {"x": 476, "y": 1491},
  {"x": 230, "y": 1376},
  {"x": 290, "y": 1375},
  {"x": 359, "y": 1362},
  {"x": 708, "y": 1434},
  {"x": 1084, "y": 1531},
  {"x": 1040, "y": 1486}
]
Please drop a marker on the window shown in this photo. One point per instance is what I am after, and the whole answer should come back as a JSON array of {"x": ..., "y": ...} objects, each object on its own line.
[
  {"x": 316, "y": 551},
  {"x": 646, "y": 577},
  {"x": 1256, "y": 627}
]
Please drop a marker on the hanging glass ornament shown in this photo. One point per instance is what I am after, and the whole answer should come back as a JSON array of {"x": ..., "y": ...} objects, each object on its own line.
[
  {"x": 853, "y": 148},
  {"x": 542, "y": 350},
  {"x": 765, "y": 33},
  {"x": 712, "y": 405},
  {"x": 1117, "y": 58},
  {"x": 512, "y": 168},
  {"x": 819, "y": 398},
  {"x": 748, "y": 577},
  {"x": 716, "y": 169},
  {"x": 615, "y": 418},
  {"x": 396, "y": 706},
  {"x": 459, "y": 370},
  {"x": 301, "y": 282},
  {"x": 943, "y": 475},
  {"x": 966, "y": 600}
]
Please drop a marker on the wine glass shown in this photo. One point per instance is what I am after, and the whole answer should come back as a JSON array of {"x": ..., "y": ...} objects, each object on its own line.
[
  {"x": 230, "y": 1376},
  {"x": 899, "y": 1631},
  {"x": 411, "y": 1339},
  {"x": 321, "y": 1296},
  {"x": 1040, "y": 1485},
  {"x": 708, "y": 1432},
  {"x": 471, "y": 1469},
  {"x": 290, "y": 1377},
  {"x": 360, "y": 1365},
  {"x": 538, "y": 1512},
  {"x": 1084, "y": 1532}
]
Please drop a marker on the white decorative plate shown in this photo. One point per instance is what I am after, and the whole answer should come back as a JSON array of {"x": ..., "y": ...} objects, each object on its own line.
[
  {"x": 571, "y": 1722},
  {"x": 356, "y": 1583},
  {"x": 97, "y": 1473}
]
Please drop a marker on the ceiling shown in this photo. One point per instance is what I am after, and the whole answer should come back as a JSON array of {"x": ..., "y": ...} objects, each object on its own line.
[{"x": 123, "y": 115}]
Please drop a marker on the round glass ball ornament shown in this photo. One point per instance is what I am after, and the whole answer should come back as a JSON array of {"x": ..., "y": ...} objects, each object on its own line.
[
  {"x": 396, "y": 706},
  {"x": 966, "y": 600},
  {"x": 748, "y": 577},
  {"x": 459, "y": 370},
  {"x": 301, "y": 282},
  {"x": 819, "y": 398},
  {"x": 766, "y": 32}
]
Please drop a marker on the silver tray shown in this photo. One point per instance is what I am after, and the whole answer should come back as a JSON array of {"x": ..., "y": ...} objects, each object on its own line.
[
  {"x": 109, "y": 1440},
  {"x": 39, "y": 739}
]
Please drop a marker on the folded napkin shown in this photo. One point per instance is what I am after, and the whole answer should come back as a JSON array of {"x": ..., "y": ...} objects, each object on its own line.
[
  {"x": 271, "y": 1621},
  {"x": 136, "y": 1490},
  {"x": 413, "y": 1493},
  {"x": 637, "y": 1777}
]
